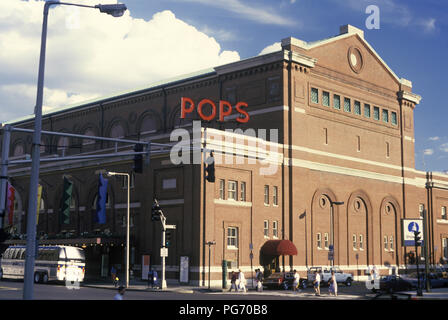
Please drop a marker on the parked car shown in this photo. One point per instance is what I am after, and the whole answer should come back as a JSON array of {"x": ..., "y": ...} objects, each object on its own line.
[
  {"x": 394, "y": 283},
  {"x": 280, "y": 280},
  {"x": 341, "y": 277},
  {"x": 435, "y": 280}
]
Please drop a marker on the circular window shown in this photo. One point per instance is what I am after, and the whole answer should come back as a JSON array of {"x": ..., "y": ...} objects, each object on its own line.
[
  {"x": 388, "y": 208},
  {"x": 357, "y": 204},
  {"x": 323, "y": 202},
  {"x": 355, "y": 59}
]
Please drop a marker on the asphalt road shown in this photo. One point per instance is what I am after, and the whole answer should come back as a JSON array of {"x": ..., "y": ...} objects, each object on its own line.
[{"x": 13, "y": 290}]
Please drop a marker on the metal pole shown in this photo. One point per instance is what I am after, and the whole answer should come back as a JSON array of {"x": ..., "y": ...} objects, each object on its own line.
[
  {"x": 426, "y": 244},
  {"x": 4, "y": 172},
  {"x": 209, "y": 256},
  {"x": 127, "y": 232},
  {"x": 163, "y": 258},
  {"x": 332, "y": 230},
  {"x": 34, "y": 179}
]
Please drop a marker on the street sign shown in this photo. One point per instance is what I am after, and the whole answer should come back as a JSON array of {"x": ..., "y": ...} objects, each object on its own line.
[
  {"x": 164, "y": 252},
  {"x": 251, "y": 246},
  {"x": 330, "y": 256},
  {"x": 409, "y": 226},
  {"x": 251, "y": 256},
  {"x": 331, "y": 248}
]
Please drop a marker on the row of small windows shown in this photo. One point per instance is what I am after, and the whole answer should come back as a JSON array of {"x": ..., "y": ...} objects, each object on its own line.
[
  {"x": 386, "y": 115},
  {"x": 274, "y": 195},
  {"x": 388, "y": 243},
  {"x": 232, "y": 190}
]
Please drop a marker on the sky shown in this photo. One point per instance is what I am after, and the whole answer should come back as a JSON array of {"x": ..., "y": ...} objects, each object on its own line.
[{"x": 90, "y": 54}]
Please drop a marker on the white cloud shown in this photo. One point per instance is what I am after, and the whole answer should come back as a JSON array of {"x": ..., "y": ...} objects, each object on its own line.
[
  {"x": 444, "y": 147},
  {"x": 91, "y": 54},
  {"x": 428, "y": 25},
  {"x": 428, "y": 152},
  {"x": 271, "y": 48},
  {"x": 434, "y": 138},
  {"x": 258, "y": 13}
]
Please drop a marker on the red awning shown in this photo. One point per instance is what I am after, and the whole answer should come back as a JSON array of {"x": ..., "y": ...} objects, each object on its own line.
[{"x": 279, "y": 248}]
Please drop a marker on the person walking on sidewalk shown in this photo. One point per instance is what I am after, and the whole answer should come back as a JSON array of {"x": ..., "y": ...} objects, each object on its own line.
[
  {"x": 233, "y": 278},
  {"x": 333, "y": 285},
  {"x": 259, "y": 277},
  {"x": 317, "y": 282},
  {"x": 241, "y": 281},
  {"x": 296, "y": 282}
]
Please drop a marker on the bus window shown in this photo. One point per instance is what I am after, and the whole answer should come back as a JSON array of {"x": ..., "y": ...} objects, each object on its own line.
[
  {"x": 20, "y": 253},
  {"x": 41, "y": 254},
  {"x": 62, "y": 255},
  {"x": 53, "y": 255},
  {"x": 23, "y": 254},
  {"x": 7, "y": 254},
  {"x": 75, "y": 253},
  {"x": 14, "y": 253}
]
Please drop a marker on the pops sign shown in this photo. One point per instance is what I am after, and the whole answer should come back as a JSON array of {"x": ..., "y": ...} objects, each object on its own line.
[{"x": 224, "y": 108}]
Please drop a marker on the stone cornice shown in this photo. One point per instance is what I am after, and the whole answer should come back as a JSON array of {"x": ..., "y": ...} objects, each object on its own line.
[{"x": 413, "y": 97}]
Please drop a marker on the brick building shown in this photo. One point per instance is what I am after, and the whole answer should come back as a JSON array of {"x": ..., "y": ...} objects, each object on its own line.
[{"x": 338, "y": 127}]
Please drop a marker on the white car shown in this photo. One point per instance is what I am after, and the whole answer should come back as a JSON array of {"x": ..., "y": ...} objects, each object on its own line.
[{"x": 341, "y": 277}]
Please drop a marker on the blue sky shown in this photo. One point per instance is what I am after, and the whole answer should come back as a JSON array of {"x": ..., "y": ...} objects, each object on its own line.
[{"x": 412, "y": 40}]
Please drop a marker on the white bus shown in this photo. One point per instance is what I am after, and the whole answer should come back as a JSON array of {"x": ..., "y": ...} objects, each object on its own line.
[{"x": 59, "y": 263}]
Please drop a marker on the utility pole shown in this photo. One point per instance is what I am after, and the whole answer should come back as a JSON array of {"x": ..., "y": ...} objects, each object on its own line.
[
  {"x": 4, "y": 172},
  {"x": 209, "y": 244}
]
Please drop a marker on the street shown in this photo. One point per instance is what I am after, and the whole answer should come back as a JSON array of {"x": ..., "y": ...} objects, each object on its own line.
[{"x": 12, "y": 290}]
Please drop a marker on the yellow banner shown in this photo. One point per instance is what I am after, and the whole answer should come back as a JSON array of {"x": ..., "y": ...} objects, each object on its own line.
[{"x": 39, "y": 197}]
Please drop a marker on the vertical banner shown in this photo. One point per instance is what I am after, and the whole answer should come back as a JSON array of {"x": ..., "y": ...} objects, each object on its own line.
[
  {"x": 66, "y": 201},
  {"x": 101, "y": 200},
  {"x": 10, "y": 197},
  {"x": 39, "y": 198},
  {"x": 145, "y": 266}
]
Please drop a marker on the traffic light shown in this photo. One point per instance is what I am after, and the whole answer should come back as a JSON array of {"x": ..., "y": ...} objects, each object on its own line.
[
  {"x": 156, "y": 212},
  {"x": 167, "y": 238},
  {"x": 138, "y": 159},
  {"x": 417, "y": 238},
  {"x": 210, "y": 168}
]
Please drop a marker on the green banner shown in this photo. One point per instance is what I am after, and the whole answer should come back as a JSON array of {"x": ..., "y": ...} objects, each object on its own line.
[{"x": 66, "y": 201}]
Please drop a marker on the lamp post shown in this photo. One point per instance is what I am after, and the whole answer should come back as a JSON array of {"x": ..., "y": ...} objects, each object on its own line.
[
  {"x": 209, "y": 243},
  {"x": 127, "y": 219},
  {"x": 332, "y": 204},
  {"x": 115, "y": 10}
]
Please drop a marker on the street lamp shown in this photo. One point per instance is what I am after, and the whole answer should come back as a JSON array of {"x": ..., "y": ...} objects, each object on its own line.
[
  {"x": 127, "y": 219},
  {"x": 332, "y": 203},
  {"x": 115, "y": 10},
  {"x": 210, "y": 244}
]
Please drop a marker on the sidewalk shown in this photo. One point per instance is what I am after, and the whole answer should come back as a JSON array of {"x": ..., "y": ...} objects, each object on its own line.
[{"x": 136, "y": 285}]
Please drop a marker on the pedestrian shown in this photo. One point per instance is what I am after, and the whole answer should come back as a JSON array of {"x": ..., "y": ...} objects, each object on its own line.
[
  {"x": 241, "y": 281},
  {"x": 296, "y": 282},
  {"x": 156, "y": 279},
  {"x": 317, "y": 282},
  {"x": 233, "y": 278},
  {"x": 333, "y": 285},
  {"x": 120, "y": 294},
  {"x": 113, "y": 275},
  {"x": 151, "y": 278},
  {"x": 259, "y": 281}
]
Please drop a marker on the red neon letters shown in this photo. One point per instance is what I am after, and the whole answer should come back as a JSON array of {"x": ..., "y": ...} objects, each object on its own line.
[{"x": 225, "y": 109}]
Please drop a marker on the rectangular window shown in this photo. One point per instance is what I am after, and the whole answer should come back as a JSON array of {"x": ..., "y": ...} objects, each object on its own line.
[
  {"x": 347, "y": 105},
  {"x": 376, "y": 113},
  {"x": 361, "y": 242},
  {"x": 314, "y": 95},
  {"x": 444, "y": 213},
  {"x": 124, "y": 181},
  {"x": 386, "y": 248},
  {"x": 357, "y": 107},
  {"x": 266, "y": 195},
  {"x": 275, "y": 229},
  {"x": 355, "y": 246},
  {"x": 232, "y": 192},
  {"x": 326, "y": 98},
  {"x": 337, "y": 102},
  {"x": 445, "y": 248},
  {"x": 266, "y": 228},
  {"x": 393, "y": 118},
  {"x": 232, "y": 237},
  {"x": 168, "y": 183},
  {"x": 222, "y": 189},
  {"x": 243, "y": 191},
  {"x": 326, "y": 240},
  {"x": 391, "y": 243},
  {"x": 275, "y": 196},
  {"x": 385, "y": 116},
  {"x": 367, "y": 110},
  {"x": 319, "y": 240}
]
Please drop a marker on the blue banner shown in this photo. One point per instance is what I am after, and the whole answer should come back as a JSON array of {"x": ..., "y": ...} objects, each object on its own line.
[{"x": 101, "y": 201}]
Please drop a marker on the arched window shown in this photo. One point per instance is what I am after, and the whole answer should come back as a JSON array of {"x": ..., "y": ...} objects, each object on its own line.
[
  {"x": 117, "y": 131},
  {"x": 19, "y": 150},
  {"x": 148, "y": 125},
  {"x": 88, "y": 132}
]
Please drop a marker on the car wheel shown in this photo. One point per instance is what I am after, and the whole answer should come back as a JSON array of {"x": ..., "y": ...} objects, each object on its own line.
[
  {"x": 36, "y": 277},
  {"x": 45, "y": 278},
  {"x": 348, "y": 282}
]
